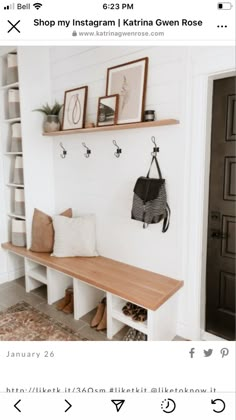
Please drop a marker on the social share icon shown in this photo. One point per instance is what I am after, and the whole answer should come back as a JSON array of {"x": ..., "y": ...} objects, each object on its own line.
[
  {"x": 224, "y": 352},
  {"x": 191, "y": 352},
  {"x": 208, "y": 353},
  {"x": 118, "y": 404}
]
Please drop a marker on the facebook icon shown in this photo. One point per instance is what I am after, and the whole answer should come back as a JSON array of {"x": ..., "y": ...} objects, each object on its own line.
[{"x": 192, "y": 351}]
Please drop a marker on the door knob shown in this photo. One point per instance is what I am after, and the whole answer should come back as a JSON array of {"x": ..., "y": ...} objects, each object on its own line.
[{"x": 217, "y": 234}]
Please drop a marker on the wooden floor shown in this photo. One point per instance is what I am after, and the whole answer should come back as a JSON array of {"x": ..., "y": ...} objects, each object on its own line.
[{"x": 14, "y": 292}]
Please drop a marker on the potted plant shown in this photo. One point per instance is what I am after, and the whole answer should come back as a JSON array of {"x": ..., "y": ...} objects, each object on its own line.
[{"x": 52, "y": 121}]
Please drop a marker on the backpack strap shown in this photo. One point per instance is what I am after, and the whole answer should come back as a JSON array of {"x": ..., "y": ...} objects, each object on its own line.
[
  {"x": 154, "y": 159},
  {"x": 166, "y": 222}
]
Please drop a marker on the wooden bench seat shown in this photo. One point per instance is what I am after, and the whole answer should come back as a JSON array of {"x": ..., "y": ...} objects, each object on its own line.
[{"x": 145, "y": 288}]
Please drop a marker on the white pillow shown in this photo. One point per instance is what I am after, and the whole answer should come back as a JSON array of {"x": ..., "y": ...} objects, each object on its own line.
[{"x": 74, "y": 237}]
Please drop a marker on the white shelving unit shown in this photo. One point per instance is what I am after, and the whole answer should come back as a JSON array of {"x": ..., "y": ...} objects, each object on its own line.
[
  {"x": 38, "y": 184},
  {"x": 15, "y": 264}
]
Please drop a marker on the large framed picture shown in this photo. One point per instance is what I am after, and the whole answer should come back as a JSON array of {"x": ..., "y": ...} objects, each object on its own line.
[
  {"x": 107, "y": 110},
  {"x": 75, "y": 102},
  {"x": 129, "y": 80}
]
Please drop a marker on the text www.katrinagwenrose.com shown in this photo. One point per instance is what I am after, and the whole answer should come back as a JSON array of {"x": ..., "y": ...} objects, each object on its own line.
[{"x": 118, "y": 34}]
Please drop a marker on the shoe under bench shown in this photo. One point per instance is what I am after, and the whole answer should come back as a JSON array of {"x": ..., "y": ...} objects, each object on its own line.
[{"x": 96, "y": 277}]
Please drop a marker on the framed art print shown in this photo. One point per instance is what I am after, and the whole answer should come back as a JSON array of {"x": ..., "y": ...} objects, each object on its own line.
[
  {"x": 129, "y": 81},
  {"x": 107, "y": 110},
  {"x": 75, "y": 102}
]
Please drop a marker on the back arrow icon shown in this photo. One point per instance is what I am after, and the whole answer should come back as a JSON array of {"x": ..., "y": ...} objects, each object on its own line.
[
  {"x": 215, "y": 401},
  {"x": 15, "y": 405},
  {"x": 69, "y": 406}
]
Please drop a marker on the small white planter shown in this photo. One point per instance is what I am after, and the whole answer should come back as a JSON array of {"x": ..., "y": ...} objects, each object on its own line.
[
  {"x": 18, "y": 232},
  {"x": 13, "y": 103},
  {"x": 16, "y": 139},
  {"x": 51, "y": 123},
  {"x": 18, "y": 171},
  {"x": 19, "y": 207},
  {"x": 12, "y": 68}
]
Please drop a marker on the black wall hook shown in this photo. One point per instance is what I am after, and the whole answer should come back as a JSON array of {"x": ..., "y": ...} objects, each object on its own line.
[
  {"x": 64, "y": 151},
  {"x": 155, "y": 149},
  {"x": 88, "y": 151},
  {"x": 118, "y": 149}
]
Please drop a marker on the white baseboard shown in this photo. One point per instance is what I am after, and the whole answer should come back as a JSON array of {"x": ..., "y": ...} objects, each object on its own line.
[
  {"x": 12, "y": 275},
  {"x": 185, "y": 331},
  {"x": 16, "y": 274},
  {"x": 205, "y": 336},
  {"x": 3, "y": 278}
]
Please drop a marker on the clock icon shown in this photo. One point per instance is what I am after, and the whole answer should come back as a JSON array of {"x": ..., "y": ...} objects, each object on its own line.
[{"x": 168, "y": 405}]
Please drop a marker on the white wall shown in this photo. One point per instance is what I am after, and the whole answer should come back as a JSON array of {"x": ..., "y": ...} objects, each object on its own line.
[
  {"x": 35, "y": 90},
  {"x": 103, "y": 184}
]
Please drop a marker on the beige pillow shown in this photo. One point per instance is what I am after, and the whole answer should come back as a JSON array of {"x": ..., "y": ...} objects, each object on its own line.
[
  {"x": 42, "y": 238},
  {"x": 75, "y": 237}
]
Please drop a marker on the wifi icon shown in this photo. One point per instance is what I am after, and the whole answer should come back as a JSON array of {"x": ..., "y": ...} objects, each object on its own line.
[{"x": 37, "y": 5}]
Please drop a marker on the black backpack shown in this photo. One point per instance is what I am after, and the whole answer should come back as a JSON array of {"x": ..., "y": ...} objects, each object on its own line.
[{"x": 150, "y": 200}]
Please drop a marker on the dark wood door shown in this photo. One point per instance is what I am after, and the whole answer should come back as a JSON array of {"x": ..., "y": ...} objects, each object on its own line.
[{"x": 220, "y": 271}]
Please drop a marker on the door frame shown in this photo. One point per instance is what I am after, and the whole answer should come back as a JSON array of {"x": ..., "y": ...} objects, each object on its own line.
[
  {"x": 198, "y": 208},
  {"x": 204, "y": 334}
]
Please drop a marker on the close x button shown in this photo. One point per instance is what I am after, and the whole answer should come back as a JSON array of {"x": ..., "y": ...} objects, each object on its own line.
[{"x": 13, "y": 26}]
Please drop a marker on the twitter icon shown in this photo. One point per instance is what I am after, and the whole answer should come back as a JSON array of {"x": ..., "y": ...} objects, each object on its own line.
[{"x": 208, "y": 353}]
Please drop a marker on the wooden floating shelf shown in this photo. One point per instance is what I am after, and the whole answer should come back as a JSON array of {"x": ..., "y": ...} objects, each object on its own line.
[{"x": 113, "y": 127}]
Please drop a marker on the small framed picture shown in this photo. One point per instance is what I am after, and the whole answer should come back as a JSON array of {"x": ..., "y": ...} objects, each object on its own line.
[
  {"x": 75, "y": 101},
  {"x": 107, "y": 110},
  {"x": 129, "y": 80}
]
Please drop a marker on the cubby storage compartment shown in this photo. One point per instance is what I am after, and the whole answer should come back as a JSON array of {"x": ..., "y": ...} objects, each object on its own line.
[
  {"x": 39, "y": 273},
  {"x": 57, "y": 283},
  {"x": 116, "y": 305},
  {"x": 35, "y": 275},
  {"x": 86, "y": 298}
]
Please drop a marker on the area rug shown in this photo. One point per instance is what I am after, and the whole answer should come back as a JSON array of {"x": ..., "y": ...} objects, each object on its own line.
[{"x": 22, "y": 322}]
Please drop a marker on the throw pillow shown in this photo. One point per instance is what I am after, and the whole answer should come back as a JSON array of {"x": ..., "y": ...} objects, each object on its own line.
[
  {"x": 75, "y": 237},
  {"x": 42, "y": 237}
]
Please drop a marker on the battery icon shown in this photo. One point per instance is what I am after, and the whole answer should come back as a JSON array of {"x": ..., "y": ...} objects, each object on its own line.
[{"x": 224, "y": 6}]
